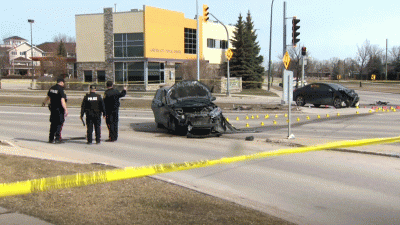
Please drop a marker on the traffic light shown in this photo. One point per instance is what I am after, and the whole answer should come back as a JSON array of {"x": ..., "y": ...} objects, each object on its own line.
[
  {"x": 295, "y": 32},
  {"x": 205, "y": 13},
  {"x": 303, "y": 51}
]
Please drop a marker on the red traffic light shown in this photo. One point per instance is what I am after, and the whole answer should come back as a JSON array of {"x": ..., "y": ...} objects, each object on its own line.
[{"x": 303, "y": 51}]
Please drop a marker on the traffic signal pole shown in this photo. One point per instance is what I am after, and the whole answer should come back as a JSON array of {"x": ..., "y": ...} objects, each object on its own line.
[{"x": 227, "y": 40}]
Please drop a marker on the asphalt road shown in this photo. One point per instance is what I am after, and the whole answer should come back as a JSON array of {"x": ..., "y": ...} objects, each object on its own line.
[{"x": 313, "y": 188}]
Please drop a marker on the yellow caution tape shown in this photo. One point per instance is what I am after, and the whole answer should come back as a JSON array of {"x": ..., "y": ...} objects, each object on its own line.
[{"x": 84, "y": 179}]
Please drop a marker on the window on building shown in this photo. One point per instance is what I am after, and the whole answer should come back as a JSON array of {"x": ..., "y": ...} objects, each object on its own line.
[
  {"x": 190, "y": 41},
  {"x": 101, "y": 76},
  {"x": 129, "y": 45},
  {"x": 22, "y": 53},
  {"x": 156, "y": 73},
  {"x": 136, "y": 72},
  {"x": 13, "y": 53},
  {"x": 88, "y": 75},
  {"x": 224, "y": 44},
  {"x": 210, "y": 43},
  {"x": 218, "y": 44},
  {"x": 133, "y": 72}
]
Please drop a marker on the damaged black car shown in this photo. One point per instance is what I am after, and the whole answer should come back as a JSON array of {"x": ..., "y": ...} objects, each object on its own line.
[
  {"x": 187, "y": 108},
  {"x": 326, "y": 94}
]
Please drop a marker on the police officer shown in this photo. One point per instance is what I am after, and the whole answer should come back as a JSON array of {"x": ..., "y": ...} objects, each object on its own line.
[
  {"x": 93, "y": 107},
  {"x": 111, "y": 101},
  {"x": 58, "y": 110}
]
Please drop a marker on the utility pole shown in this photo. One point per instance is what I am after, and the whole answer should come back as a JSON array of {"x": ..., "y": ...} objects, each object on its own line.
[
  {"x": 270, "y": 40},
  {"x": 386, "y": 59},
  {"x": 197, "y": 41}
]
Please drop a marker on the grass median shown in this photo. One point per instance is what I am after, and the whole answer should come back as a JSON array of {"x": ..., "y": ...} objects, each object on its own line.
[{"x": 135, "y": 201}]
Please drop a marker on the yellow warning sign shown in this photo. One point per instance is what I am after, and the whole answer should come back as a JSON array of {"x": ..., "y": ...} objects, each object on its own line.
[
  {"x": 229, "y": 54},
  {"x": 286, "y": 60}
]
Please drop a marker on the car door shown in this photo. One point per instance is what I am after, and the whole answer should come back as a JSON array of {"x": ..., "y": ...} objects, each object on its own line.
[
  {"x": 325, "y": 95},
  {"x": 156, "y": 106}
]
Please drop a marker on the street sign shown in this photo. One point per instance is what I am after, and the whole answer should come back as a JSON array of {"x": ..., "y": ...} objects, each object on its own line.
[
  {"x": 229, "y": 54},
  {"x": 286, "y": 60}
]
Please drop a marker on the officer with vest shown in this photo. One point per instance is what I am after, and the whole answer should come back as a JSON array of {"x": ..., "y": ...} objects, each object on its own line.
[
  {"x": 58, "y": 110},
  {"x": 111, "y": 101},
  {"x": 93, "y": 107}
]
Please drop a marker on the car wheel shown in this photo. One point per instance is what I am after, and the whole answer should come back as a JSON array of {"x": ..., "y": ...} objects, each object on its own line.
[
  {"x": 300, "y": 101},
  {"x": 317, "y": 105},
  {"x": 337, "y": 103},
  {"x": 159, "y": 125}
]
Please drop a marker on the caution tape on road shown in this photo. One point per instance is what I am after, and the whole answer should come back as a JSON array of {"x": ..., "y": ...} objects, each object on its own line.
[{"x": 84, "y": 179}]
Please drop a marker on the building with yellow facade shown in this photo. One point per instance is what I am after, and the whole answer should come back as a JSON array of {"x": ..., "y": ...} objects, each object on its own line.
[{"x": 143, "y": 47}]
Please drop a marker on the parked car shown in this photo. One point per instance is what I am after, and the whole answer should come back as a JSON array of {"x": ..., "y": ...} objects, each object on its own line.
[
  {"x": 187, "y": 107},
  {"x": 326, "y": 94}
]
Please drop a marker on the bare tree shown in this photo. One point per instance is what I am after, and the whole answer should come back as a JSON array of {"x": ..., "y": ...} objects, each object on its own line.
[
  {"x": 395, "y": 54},
  {"x": 208, "y": 75},
  {"x": 63, "y": 38},
  {"x": 363, "y": 55}
]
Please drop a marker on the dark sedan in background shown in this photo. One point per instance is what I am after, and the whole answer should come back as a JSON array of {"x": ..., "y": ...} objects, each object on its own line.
[
  {"x": 326, "y": 94},
  {"x": 186, "y": 108}
]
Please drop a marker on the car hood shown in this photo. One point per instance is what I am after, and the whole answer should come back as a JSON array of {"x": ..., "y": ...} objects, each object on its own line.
[
  {"x": 188, "y": 91},
  {"x": 349, "y": 92}
]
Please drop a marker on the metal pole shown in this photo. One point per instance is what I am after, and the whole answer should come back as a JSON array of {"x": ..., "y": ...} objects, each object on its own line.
[
  {"x": 227, "y": 38},
  {"x": 197, "y": 41},
  {"x": 32, "y": 70},
  {"x": 302, "y": 71},
  {"x": 386, "y": 59},
  {"x": 270, "y": 40},
  {"x": 284, "y": 28}
]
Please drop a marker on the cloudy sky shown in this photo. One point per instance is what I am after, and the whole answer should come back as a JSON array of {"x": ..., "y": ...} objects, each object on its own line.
[{"x": 327, "y": 28}]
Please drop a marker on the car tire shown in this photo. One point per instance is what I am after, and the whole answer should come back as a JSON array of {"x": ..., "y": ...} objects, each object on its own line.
[
  {"x": 337, "y": 103},
  {"x": 159, "y": 125},
  {"x": 317, "y": 105},
  {"x": 300, "y": 101}
]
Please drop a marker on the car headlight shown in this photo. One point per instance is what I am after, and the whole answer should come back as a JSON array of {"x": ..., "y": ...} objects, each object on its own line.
[{"x": 215, "y": 112}]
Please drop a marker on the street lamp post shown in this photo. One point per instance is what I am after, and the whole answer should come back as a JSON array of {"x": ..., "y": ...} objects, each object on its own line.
[
  {"x": 269, "y": 58},
  {"x": 32, "y": 71}
]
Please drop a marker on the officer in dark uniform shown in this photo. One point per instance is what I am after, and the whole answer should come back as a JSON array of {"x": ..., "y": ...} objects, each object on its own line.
[
  {"x": 93, "y": 107},
  {"x": 111, "y": 101},
  {"x": 58, "y": 110}
]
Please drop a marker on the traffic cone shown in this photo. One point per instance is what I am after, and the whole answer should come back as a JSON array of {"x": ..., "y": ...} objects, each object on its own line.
[
  {"x": 266, "y": 116},
  {"x": 298, "y": 119},
  {"x": 252, "y": 117},
  {"x": 247, "y": 125},
  {"x": 274, "y": 122},
  {"x": 318, "y": 116},
  {"x": 285, "y": 115},
  {"x": 308, "y": 117},
  {"x": 262, "y": 123},
  {"x": 227, "y": 119},
  {"x": 257, "y": 117},
  {"x": 276, "y": 115},
  {"x": 247, "y": 117},
  {"x": 327, "y": 115},
  {"x": 357, "y": 112},
  {"x": 338, "y": 114},
  {"x": 237, "y": 118}
]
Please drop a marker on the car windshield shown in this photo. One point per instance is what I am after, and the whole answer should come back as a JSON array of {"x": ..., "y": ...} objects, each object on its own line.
[
  {"x": 188, "y": 90},
  {"x": 337, "y": 86}
]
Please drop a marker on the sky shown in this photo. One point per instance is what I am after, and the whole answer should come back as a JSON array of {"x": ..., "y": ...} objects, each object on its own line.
[{"x": 328, "y": 29}]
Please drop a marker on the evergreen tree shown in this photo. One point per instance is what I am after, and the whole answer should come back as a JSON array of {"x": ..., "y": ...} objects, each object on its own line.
[
  {"x": 239, "y": 55},
  {"x": 61, "y": 51},
  {"x": 375, "y": 66},
  {"x": 253, "y": 65},
  {"x": 246, "y": 61}
]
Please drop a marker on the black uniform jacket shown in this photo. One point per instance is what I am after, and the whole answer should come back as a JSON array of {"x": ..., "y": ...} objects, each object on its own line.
[
  {"x": 111, "y": 99},
  {"x": 92, "y": 105}
]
